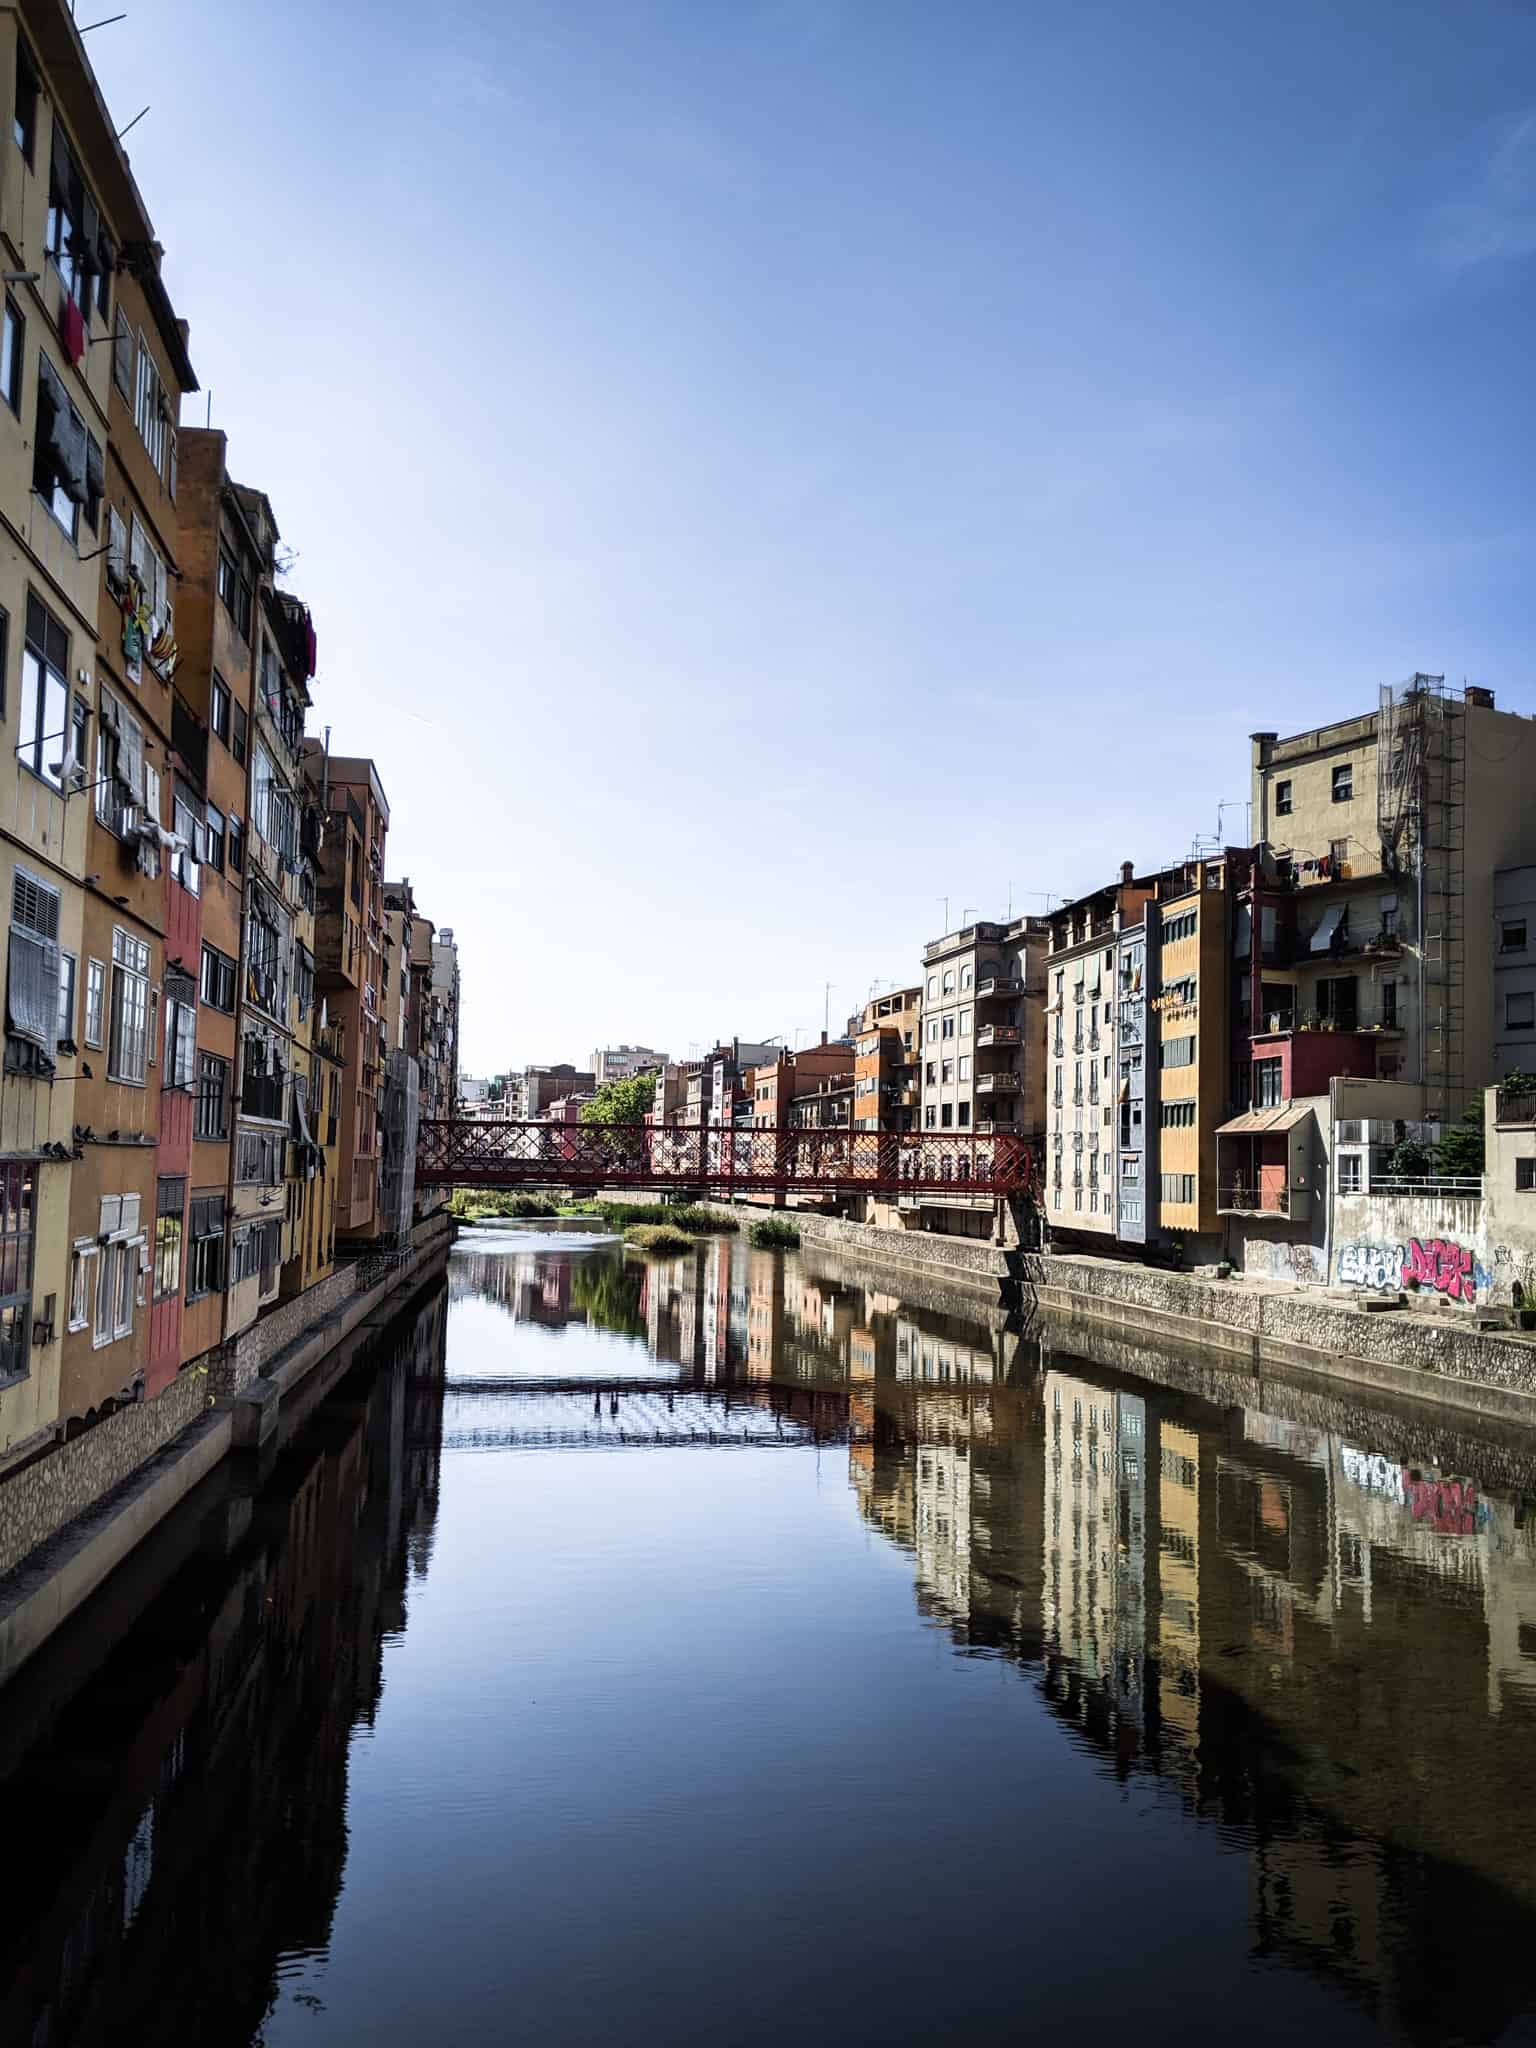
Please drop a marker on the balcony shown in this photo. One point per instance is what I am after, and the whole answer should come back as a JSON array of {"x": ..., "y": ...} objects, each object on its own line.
[
  {"x": 998, "y": 985},
  {"x": 1001, "y": 1034},
  {"x": 1514, "y": 1106},
  {"x": 1246, "y": 1198},
  {"x": 997, "y": 1084}
]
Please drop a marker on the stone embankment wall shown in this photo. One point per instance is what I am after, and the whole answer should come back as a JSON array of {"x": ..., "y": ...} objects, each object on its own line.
[
  {"x": 1434, "y": 1356},
  {"x": 36, "y": 1502},
  {"x": 966, "y": 1261}
]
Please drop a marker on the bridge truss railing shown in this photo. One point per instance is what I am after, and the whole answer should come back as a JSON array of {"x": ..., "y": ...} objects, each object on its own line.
[{"x": 720, "y": 1160}]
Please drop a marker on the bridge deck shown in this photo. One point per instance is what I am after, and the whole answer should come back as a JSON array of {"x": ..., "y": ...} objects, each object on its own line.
[{"x": 467, "y": 1152}]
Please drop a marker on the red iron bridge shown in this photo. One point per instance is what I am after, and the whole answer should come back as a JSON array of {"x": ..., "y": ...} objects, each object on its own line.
[{"x": 720, "y": 1161}]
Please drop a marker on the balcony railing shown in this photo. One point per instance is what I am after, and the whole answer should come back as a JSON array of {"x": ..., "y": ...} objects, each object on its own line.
[
  {"x": 1514, "y": 1106},
  {"x": 998, "y": 985},
  {"x": 1434, "y": 1184},
  {"x": 1246, "y": 1198},
  {"x": 997, "y": 1084},
  {"x": 1002, "y": 1034}
]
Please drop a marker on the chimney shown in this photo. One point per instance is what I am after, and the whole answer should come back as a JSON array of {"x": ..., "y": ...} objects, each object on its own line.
[
  {"x": 823, "y": 1038},
  {"x": 1127, "y": 870},
  {"x": 1474, "y": 693}
]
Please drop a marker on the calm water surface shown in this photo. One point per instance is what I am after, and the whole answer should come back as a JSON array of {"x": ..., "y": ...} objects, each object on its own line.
[{"x": 729, "y": 1650}]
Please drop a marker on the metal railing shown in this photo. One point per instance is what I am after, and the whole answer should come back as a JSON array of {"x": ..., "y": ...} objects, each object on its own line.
[
  {"x": 1246, "y": 1198},
  {"x": 1422, "y": 1184}
]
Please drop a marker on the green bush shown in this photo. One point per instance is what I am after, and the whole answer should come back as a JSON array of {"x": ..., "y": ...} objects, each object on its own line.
[
  {"x": 772, "y": 1236},
  {"x": 658, "y": 1237},
  {"x": 474, "y": 1204}
]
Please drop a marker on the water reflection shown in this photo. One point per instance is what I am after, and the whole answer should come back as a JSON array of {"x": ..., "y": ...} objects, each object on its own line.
[{"x": 1293, "y": 1633}]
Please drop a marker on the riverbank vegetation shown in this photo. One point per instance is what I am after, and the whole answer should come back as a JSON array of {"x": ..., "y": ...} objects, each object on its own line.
[
  {"x": 771, "y": 1235},
  {"x": 475, "y": 1205},
  {"x": 658, "y": 1237}
]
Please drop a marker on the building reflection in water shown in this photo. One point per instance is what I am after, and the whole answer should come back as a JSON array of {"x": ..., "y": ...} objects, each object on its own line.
[
  {"x": 177, "y": 1822},
  {"x": 1311, "y": 1623}
]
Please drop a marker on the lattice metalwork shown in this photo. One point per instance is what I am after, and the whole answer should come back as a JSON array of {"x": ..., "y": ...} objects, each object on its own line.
[{"x": 474, "y": 1153}]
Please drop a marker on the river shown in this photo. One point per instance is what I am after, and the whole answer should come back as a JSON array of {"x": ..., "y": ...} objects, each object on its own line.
[{"x": 741, "y": 1648}]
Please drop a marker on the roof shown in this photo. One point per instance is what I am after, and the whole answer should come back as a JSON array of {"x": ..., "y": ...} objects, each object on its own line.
[{"x": 1254, "y": 1121}]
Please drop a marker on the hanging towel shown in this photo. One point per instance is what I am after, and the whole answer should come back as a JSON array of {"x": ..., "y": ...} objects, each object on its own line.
[{"x": 72, "y": 331}]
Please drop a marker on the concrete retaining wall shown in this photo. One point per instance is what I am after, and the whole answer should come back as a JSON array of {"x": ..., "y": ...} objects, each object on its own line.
[
  {"x": 1436, "y": 1357},
  {"x": 966, "y": 1260}
]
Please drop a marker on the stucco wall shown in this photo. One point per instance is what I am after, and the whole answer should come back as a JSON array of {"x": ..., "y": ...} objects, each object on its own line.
[
  {"x": 963, "y": 1258},
  {"x": 1381, "y": 1242}
]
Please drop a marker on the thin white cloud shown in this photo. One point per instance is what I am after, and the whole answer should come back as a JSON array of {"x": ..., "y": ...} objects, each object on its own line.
[{"x": 1497, "y": 222}]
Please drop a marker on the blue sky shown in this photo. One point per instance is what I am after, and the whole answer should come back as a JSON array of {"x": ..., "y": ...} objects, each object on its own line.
[{"x": 760, "y": 468}]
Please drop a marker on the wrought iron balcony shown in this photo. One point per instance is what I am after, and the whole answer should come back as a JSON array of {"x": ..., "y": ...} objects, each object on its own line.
[{"x": 1002, "y": 1034}]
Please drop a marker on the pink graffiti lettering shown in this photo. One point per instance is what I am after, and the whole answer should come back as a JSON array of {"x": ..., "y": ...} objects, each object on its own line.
[
  {"x": 1449, "y": 1506},
  {"x": 1442, "y": 1265}
]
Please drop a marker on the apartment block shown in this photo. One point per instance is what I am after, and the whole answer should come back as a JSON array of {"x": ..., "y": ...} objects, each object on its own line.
[
  {"x": 440, "y": 1032},
  {"x": 887, "y": 1052},
  {"x": 726, "y": 1094},
  {"x": 1376, "y": 908},
  {"x": 349, "y": 950},
  {"x": 772, "y": 1087},
  {"x": 1089, "y": 1096},
  {"x": 1192, "y": 1036},
  {"x": 1514, "y": 971},
  {"x": 982, "y": 1069},
  {"x": 543, "y": 1086},
  {"x": 624, "y": 1062}
]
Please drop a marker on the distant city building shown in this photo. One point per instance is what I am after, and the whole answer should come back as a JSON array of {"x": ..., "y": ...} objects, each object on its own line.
[
  {"x": 623, "y": 1062},
  {"x": 543, "y": 1086}
]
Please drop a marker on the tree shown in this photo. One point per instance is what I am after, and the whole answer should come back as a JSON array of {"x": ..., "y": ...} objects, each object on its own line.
[
  {"x": 620, "y": 1102},
  {"x": 1460, "y": 1150}
]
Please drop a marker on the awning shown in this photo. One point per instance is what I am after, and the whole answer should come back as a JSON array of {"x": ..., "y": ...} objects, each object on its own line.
[
  {"x": 1253, "y": 1122},
  {"x": 1333, "y": 917}
]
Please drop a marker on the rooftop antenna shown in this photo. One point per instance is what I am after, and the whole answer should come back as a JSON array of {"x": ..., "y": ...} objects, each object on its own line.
[
  {"x": 106, "y": 21},
  {"x": 138, "y": 117},
  {"x": 945, "y": 901}
]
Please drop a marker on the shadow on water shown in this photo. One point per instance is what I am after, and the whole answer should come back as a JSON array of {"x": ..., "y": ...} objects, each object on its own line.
[{"x": 1299, "y": 1628}]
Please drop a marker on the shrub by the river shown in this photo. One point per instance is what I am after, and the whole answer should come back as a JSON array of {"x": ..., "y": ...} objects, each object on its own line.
[
  {"x": 472, "y": 1204},
  {"x": 658, "y": 1237},
  {"x": 773, "y": 1236},
  {"x": 677, "y": 1215}
]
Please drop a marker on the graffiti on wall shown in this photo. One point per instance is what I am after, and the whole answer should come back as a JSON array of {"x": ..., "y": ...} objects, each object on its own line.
[
  {"x": 1451, "y": 1507},
  {"x": 1436, "y": 1263}
]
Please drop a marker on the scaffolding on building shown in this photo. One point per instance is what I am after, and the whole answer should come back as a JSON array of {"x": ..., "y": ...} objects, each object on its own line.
[{"x": 1421, "y": 800}]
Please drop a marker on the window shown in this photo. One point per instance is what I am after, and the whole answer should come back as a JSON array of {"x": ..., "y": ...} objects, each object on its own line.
[
  {"x": 236, "y": 845},
  {"x": 205, "y": 1253},
  {"x": 1351, "y": 1173},
  {"x": 963, "y": 1115},
  {"x": 1338, "y": 1001},
  {"x": 186, "y": 857},
  {"x": 1389, "y": 1004},
  {"x": 1178, "y": 1187},
  {"x": 1176, "y": 1116},
  {"x": 32, "y": 989},
  {"x": 13, "y": 334},
  {"x": 261, "y": 1078},
  {"x": 933, "y": 988},
  {"x": 81, "y": 1282},
  {"x": 1525, "y": 1175},
  {"x": 1184, "y": 926},
  {"x": 1267, "y": 1084},
  {"x": 947, "y": 1072},
  {"x": 95, "y": 1002},
  {"x": 24, "y": 120},
  {"x": 117, "y": 1270},
  {"x": 1343, "y": 782},
  {"x": 67, "y": 470},
  {"x": 1177, "y": 1052},
  {"x": 965, "y": 977},
  {"x": 210, "y": 1115},
  {"x": 238, "y": 728},
  {"x": 43, "y": 739},
  {"x": 17, "y": 1197},
  {"x": 180, "y": 1032},
  {"x": 947, "y": 1029},
  {"x": 259, "y": 1158},
  {"x": 213, "y": 838},
  {"x": 930, "y": 1117},
  {"x": 266, "y": 965},
  {"x": 933, "y": 1030},
  {"x": 235, "y": 590},
  {"x": 128, "y": 1052},
  {"x": 218, "y": 708},
  {"x": 946, "y": 1115},
  {"x": 170, "y": 1201},
  {"x": 66, "y": 1025},
  {"x": 151, "y": 409},
  {"x": 1519, "y": 1012},
  {"x": 218, "y": 980},
  {"x": 930, "y": 1073},
  {"x": 949, "y": 981},
  {"x": 122, "y": 778},
  {"x": 122, "y": 355},
  {"x": 1338, "y": 857},
  {"x": 1512, "y": 935},
  {"x": 965, "y": 1066},
  {"x": 1283, "y": 799},
  {"x": 965, "y": 1023}
]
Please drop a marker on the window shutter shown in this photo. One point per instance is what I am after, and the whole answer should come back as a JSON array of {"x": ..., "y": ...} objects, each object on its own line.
[
  {"x": 34, "y": 907},
  {"x": 117, "y": 545}
]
